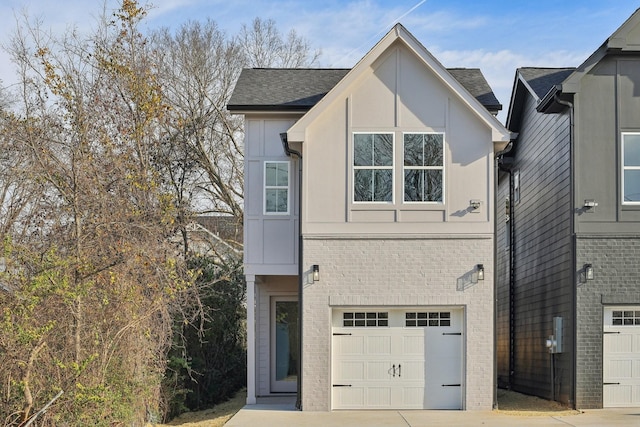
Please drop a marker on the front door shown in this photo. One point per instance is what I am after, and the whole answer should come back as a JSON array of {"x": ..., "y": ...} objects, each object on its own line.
[{"x": 284, "y": 344}]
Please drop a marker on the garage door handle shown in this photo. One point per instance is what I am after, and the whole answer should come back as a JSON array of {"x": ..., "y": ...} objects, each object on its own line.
[
  {"x": 452, "y": 333},
  {"x": 338, "y": 333},
  {"x": 606, "y": 332},
  {"x": 342, "y": 385},
  {"x": 611, "y": 383},
  {"x": 451, "y": 385},
  {"x": 399, "y": 370}
]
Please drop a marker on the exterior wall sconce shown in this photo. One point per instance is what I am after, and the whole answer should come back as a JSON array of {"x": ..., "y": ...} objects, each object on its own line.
[
  {"x": 316, "y": 272},
  {"x": 480, "y": 270},
  {"x": 475, "y": 204},
  {"x": 590, "y": 203},
  {"x": 588, "y": 271}
]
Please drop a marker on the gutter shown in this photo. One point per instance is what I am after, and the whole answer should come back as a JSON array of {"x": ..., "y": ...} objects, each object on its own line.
[{"x": 289, "y": 152}]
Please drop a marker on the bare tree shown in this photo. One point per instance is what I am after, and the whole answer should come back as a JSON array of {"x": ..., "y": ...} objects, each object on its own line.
[{"x": 263, "y": 46}]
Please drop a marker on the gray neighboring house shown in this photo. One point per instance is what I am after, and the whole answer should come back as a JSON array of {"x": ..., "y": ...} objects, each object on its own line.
[
  {"x": 369, "y": 231},
  {"x": 568, "y": 230}
]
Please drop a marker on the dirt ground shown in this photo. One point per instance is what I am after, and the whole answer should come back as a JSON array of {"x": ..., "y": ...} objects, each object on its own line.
[
  {"x": 514, "y": 403},
  {"x": 509, "y": 402}
]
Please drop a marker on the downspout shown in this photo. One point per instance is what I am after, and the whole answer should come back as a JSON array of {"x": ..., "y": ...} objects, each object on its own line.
[
  {"x": 572, "y": 227},
  {"x": 289, "y": 152}
]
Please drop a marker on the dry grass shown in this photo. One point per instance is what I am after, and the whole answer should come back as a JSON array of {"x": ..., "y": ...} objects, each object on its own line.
[
  {"x": 512, "y": 403},
  {"x": 509, "y": 402},
  {"x": 214, "y": 417}
]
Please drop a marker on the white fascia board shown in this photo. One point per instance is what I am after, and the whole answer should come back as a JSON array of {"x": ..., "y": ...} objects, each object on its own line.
[{"x": 498, "y": 132}]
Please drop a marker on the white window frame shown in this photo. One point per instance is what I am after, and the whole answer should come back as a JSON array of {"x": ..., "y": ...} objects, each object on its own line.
[
  {"x": 441, "y": 168},
  {"x": 276, "y": 187},
  {"x": 354, "y": 168},
  {"x": 627, "y": 168},
  {"x": 516, "y": 187}
]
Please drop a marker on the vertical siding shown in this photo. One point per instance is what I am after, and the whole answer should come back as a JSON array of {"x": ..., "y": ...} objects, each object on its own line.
[{"x": 542, "y": 260}]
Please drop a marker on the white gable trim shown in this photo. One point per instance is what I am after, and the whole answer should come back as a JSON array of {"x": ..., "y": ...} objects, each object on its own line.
[{"x": 399, "y": 33}]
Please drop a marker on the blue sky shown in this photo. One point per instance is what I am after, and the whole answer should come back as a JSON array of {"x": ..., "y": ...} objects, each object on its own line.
[{"x": 496, "y": 36}]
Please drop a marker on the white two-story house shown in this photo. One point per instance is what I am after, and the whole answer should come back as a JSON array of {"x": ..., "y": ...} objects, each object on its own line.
[{"x": 368, "y": 235}]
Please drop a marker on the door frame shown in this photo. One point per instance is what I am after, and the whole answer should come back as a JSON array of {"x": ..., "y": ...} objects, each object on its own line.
[{"x": 274, "y": 385}]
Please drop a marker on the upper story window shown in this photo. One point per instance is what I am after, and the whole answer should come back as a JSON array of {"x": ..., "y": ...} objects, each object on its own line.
[
  {"x": 423, "y": 167},
  {"x": 516, "y": 187},
  {"x": 276, "y": 188},
  {"x": 373, "y": 167},
  {"x": 631, "y": 168}
]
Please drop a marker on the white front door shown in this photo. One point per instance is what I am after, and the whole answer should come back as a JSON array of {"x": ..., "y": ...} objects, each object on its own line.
[
  {"x": 284, "y": 344},
  {"x": 621, "y": 357},
  {"x": 397, "y": 359}
]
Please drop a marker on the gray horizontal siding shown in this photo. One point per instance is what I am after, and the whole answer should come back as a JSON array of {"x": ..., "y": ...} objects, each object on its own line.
[{"x": 542, "y": 253}]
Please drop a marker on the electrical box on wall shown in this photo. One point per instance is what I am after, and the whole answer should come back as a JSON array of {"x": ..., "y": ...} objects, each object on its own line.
[{"x": 554, "y": 343}]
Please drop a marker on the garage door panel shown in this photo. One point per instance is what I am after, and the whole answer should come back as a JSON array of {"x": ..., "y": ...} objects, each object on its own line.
[
  {"x": 349, "y": 345},
  {"x": 412, "y": 371},
  {"x": 413, "y": 345},
  {"x": 413, "y": 397},
  {"x": 350, "y": 370},
  {"x": 379, "y": 370},
  {"x": 397, "y": 362},
  {"x": 350, "y": 396},
  {"x": 378, "y": 345},
  {"x": 621, "y": 357}
]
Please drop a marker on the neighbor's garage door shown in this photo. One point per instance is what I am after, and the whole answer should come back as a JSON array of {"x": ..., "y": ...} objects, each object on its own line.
[
  {"x": 621, "y": 371},
  {"x": 399, "y": 359}
]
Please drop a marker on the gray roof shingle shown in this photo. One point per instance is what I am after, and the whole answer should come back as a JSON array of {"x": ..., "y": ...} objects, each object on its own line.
[
  {"x": 541, "y": 80},
  {"x": 299, "y": 89}
]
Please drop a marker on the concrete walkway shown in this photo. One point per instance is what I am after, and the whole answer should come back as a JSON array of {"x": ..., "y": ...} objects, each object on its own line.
[{"x": 284, "y": 415}]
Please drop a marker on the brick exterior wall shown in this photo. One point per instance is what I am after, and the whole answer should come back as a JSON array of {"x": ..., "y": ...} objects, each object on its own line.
[
  {"x": 616, "y": 282},
  {"x": 398, "y": 272}
]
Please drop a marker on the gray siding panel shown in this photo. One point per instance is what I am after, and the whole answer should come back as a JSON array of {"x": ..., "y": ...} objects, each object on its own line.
[{"x": 542, "y": 256}]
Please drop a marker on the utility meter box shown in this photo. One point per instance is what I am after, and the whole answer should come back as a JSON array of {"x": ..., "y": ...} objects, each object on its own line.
[{"x": 554, "y": 343}]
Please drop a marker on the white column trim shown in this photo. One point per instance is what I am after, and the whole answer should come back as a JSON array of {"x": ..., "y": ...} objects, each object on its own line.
[{"x": 251, "y": 339}]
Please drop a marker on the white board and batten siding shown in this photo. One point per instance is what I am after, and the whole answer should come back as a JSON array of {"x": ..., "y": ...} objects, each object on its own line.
[
  {"x": 621, "y": 357},
  {"x": 403, "y": 359}
]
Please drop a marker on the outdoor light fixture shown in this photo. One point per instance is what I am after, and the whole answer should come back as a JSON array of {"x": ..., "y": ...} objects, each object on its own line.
[
  {"x": 316, "y": 272},
  {"x": 480, "y": 269},
  {"x": 475, "y": 204},
  {"x": 588, "y": 271},
  {"x": 590, "y": 203}
]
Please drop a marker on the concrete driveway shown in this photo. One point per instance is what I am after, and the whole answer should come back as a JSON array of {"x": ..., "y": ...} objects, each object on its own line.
[{"x": 269, "y": 415}]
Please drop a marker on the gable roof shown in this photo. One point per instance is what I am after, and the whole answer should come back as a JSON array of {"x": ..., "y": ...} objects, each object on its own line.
[
  {"x": 549, "y": 84},
  {"x": 299, "y": 89},
  {"x": 538, "y": 82},
  {"x": 399, "y": 34}
]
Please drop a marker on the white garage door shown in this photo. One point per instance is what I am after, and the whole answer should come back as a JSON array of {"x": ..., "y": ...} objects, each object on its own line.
[
  {"x": 621, "y": 373},
  {"x": 397, "y": 359}
]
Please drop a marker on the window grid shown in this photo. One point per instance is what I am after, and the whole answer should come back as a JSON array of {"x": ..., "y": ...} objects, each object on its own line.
[
  {"x": 423, "y": 169},
  {"x": 427, "y": 318},
  {"x": 631, "y": 168},
  {"x": 625, "y": 318},
  {"x": 276, "y": 188},
  {"x": 365, "y": 319},
  {"x": 373, "y": 167}
]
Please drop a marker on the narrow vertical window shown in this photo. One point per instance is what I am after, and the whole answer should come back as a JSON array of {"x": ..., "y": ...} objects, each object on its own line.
[
  {"x": 516, "y": 187},
  {"x": 423, "y": 167},
  {"x": 276, "y": 188},
  {"x": 631, "y": 168},
  {"x": 373, "y": 167}
]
